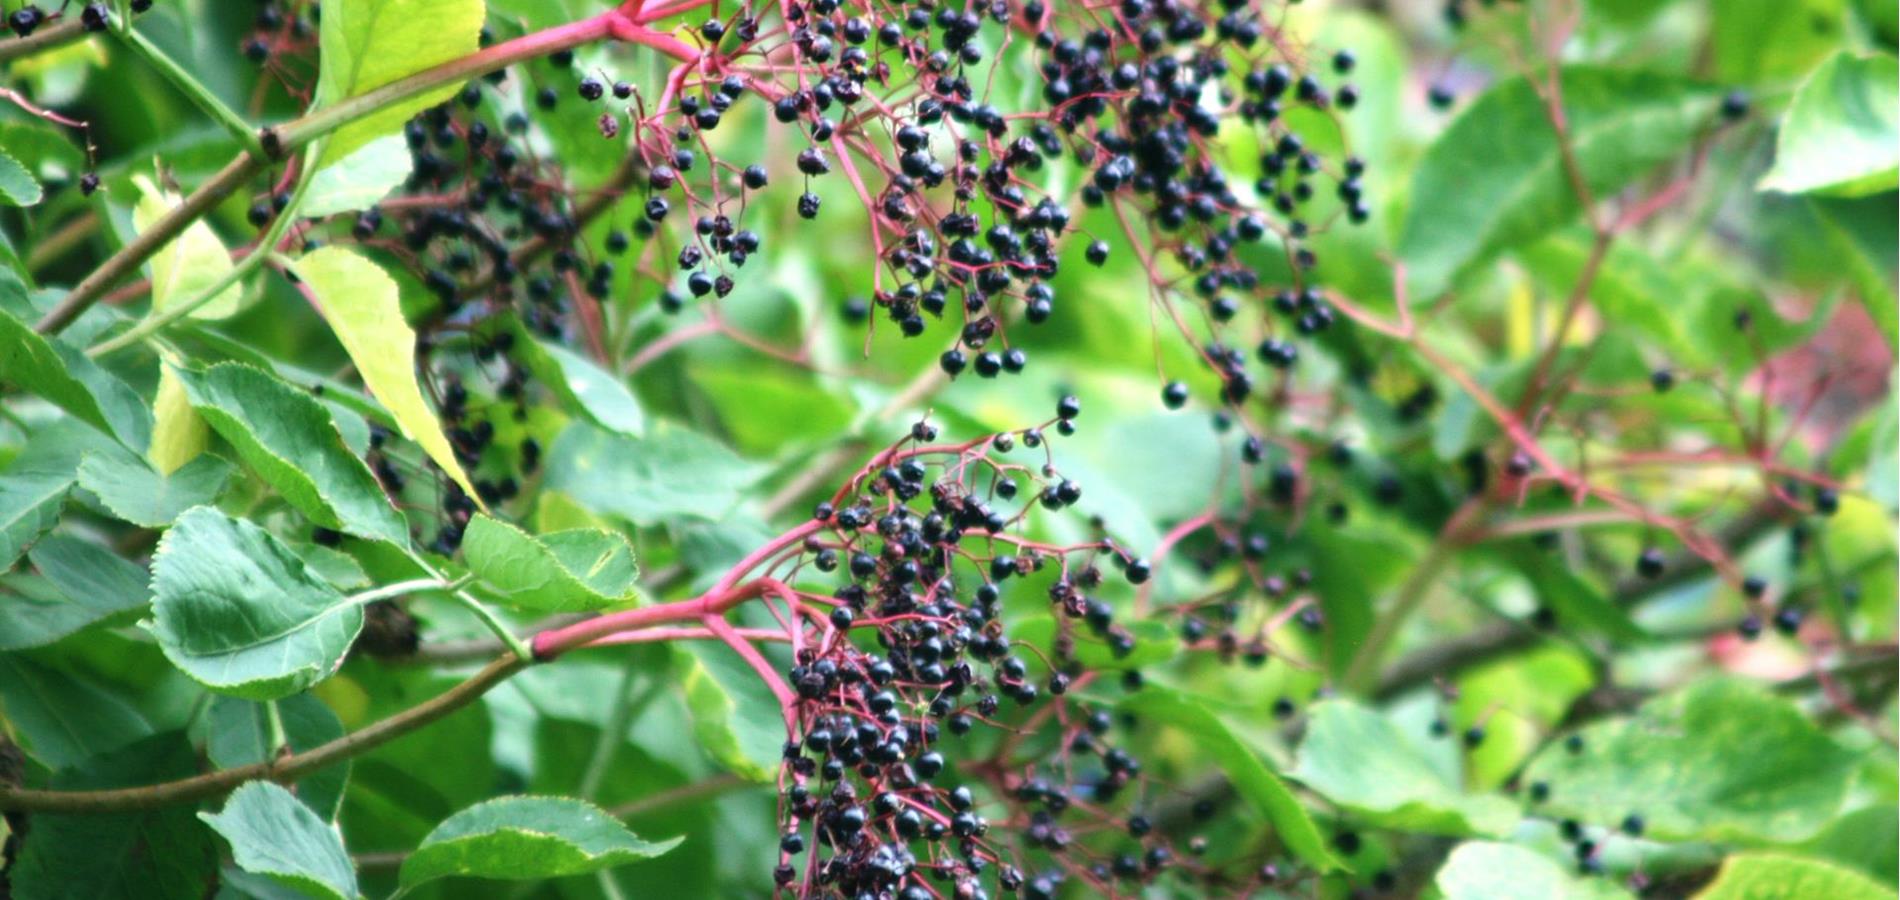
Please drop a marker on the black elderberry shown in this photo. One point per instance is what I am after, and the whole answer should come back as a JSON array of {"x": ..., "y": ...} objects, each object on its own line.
[
  {"x": 591, "y": 89},
  {"x": 25, "y": 19},
  {"x": 1662, "y": 380},
  {"x": 94, "y": 17},
  {"x": 1735, "y": 105},
  {"x": 1650, "y": 563}
]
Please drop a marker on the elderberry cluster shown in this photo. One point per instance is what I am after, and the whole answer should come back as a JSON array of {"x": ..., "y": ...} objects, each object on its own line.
[{"x": 929, "y": 745}]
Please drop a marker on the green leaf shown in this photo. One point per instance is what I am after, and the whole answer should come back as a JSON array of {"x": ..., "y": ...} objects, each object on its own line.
[
  {"x": 1496, "y": 178},
  {"x": 62, "y": 375},
  {"x": 93, "y": 584},
  {"x": 241, "y": 614},
  {"x": 1245, "y": 769},
  {"x": 1359, "y": 760},
  {"x": 1486, "y": 870},
  {"x": 519, "y": 838},
  {"x": 1518, "y": 699},
  {"x": 715, "y": 685},
  {"x": 585, "y": 389},
  {"x": 1841, "y": 136},
  {"x": 17, "y": 186},
  {"x": 290, "y": 440},
  {"x": 190, "y": 263},
  {"x": 238, "y": 733},
  {"x": 273, "y": 835},
  {"x": 360, "y": 180},
  {"x": 365, "y": 44},
  {"x": 671, "y": 473},
  {"x": 155, "y": 854},
  {"x": 567, "y": 571},
  {"x": 1772, "y": 40},
  {"x": 1865, "y": 840},
  {"x": 362, "y": 304},
  {"x": 1772, "y": 876},
  {"x": 62, "y": 719},
  {"x": 129, "y": 487},
  {"x": 179, "y": 434},
  {"x": 1675, "y": 763},
  {"x": 30, "y": 502}
]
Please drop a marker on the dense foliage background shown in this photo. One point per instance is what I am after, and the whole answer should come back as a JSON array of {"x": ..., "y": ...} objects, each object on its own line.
[{"x": 1540, "y": 542}]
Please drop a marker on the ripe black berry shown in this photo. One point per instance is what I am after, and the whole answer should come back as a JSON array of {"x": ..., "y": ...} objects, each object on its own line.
[{"x": 591, "y": 89}]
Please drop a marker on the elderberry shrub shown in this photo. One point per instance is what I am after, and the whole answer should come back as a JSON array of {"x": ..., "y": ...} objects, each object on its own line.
[{"x": 928, "y": 744}]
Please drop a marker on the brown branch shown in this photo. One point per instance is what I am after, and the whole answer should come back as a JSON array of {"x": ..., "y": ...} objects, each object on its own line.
[{"x": 63, "y": 32}]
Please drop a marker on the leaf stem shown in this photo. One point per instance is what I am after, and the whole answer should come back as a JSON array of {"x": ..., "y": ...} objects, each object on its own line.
[{"x": 194, "y": 89}]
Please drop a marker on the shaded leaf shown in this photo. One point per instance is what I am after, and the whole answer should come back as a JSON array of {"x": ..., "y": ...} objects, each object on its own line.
[
  {"x": 364, "y": 309},
  {"x": 62, "y": 719},
  {"x": 157, "y": 854},
  {"x": 30, "y": 502},
  {"x": 237, "y": 733},
  {"x": 134, "y": 492},
  {"x": 734, "y": 716},
  {"x": 92, "y": 582},
  {"x": 290, "y": 440},
  {"x": 54, "y": 370},
  {"x": 584, "y": 388},
  {"x": 1358, "y": 759},
  {"x": 567, "y": 571},
  {"x": 1244, "y": 768},
  {"x": 241, "y": 614},
  {"x": 517, "y": 838},
  {"x": 273, "y": 835},
  {"x": 1675, "y": 763},
  {"x": 1496, "y": 178},
  {"x": 671, "y": 473}
]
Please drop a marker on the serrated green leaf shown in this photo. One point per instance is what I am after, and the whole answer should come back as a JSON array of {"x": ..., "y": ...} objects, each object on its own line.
[
  {"x": 273, "y": 835},
  {"x": 567, "y": 571},
  {"x": 129, "y": 487},
  {"x": 238, "y": 733},
  {"x": 1245, "y": 769},
  {"x": 671, "y": 473},
  {"x": 365, "y": 44},
  {"x": 1675, "y": 763},
  {"x": 1772, "y": 41},
  {"x": 17, "y": 185},
  {"x": 1486, "y": 870},
  {"x": 54, "y": 370},
  {"x": 241, "y": 614},
  {"x": 519, "y": 838},
  {"x": 290, "y": 440},
  {"x": 1496, "y": 178},
  {"x": 190, "y": 263},
  {"x": 1357, "y": 758},
  {"x": 361, "y": 302},
  {"x": 92, "y": 584},
  {"x": 1773, "y": 876},
  {"x": 1841, "y": 135},
  {"x": 30, "y": 502},
  {"x": 360, "y": 180}
]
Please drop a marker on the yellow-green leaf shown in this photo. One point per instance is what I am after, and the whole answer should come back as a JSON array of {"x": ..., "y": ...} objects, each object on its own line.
[
  {"x": 365, "y": 44},
  {"x": 179, "y": 434},
  {"x": 190, "y": 263},
  {"x": 362, "y": 305}
]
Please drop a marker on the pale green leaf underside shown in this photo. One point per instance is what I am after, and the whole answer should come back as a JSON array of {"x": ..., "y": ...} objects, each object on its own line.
[
  {"x": 1358, "y": 759},
  {"x": 240, "y": 613},
  {"x": 1484, "y": 870},
  {"x": 568, "y": 571},
  {"x": 365, "y": 44},
  {"x": 273, "y": 835},
  {"x": 515, "y": 838},
  {"x": 1841, "y": 136},
  {"x": 1771, "y": 876}
]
